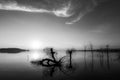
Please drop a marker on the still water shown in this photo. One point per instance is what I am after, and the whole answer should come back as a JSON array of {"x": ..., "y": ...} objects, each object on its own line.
[{"x": 78, "y": 65}]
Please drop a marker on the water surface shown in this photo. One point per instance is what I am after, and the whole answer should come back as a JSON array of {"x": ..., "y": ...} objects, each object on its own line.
[{"x": 81, "y": 65}]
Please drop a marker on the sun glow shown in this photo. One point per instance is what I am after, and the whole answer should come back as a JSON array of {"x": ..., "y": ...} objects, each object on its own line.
[{"x": 36, "y": 45}]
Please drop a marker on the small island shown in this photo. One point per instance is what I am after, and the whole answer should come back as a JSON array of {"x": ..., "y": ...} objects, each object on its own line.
[{"x": 12, "y": 50}]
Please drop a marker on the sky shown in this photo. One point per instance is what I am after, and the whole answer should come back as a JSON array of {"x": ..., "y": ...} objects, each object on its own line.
[{"x": 59, "y": 23}]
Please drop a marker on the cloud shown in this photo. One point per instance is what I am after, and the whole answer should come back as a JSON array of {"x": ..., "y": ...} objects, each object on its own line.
[
  {"x": 73, "y": 9},
  {"x": 15, "y": 6},
  {"x": 62, "y": 11}
]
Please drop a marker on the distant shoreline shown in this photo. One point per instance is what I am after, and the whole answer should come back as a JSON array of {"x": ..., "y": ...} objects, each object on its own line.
[
  {"x": 18, "y": 50},
  {"x": 12, "y": 50},
  {"x": 100, "y": 50}
]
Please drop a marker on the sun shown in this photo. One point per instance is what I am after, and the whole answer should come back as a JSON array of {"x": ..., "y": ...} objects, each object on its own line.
[{"x": 36, "y": 44}]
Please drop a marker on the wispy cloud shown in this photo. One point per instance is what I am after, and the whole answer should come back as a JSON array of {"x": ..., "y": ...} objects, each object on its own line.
[
  {"x": 63, "y": 8},
  {"x": 13, "y": 5}
]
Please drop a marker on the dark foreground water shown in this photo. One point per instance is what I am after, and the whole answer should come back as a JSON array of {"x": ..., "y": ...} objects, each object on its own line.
[{"x": 80, "y": 66}]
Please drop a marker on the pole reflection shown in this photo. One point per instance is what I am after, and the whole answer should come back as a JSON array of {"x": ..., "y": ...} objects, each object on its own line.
[{"x": 98, "y": 60}]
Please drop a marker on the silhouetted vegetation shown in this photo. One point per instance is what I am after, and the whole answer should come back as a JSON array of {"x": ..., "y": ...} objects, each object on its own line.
[
  {"x": 103, "y": 49},
  {"x": 48, "y": 61},
  {"x": 70, "y": 52},
  {"x": 54, "y": 63}
]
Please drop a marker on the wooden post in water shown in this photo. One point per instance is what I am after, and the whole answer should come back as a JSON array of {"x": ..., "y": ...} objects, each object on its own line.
[
  {"x": 85, "y": 62},
  {"x": 107, "y": 51},
  {"x": 101, "y": 58},
  {"x": 91, "y": 49}
]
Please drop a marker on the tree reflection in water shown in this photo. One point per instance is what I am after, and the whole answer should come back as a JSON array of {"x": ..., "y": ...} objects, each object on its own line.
[{"x": 64, "y": 64}]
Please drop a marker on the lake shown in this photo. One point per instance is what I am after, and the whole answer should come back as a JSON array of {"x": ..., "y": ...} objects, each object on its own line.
[{"x": 78, "y": 65}]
